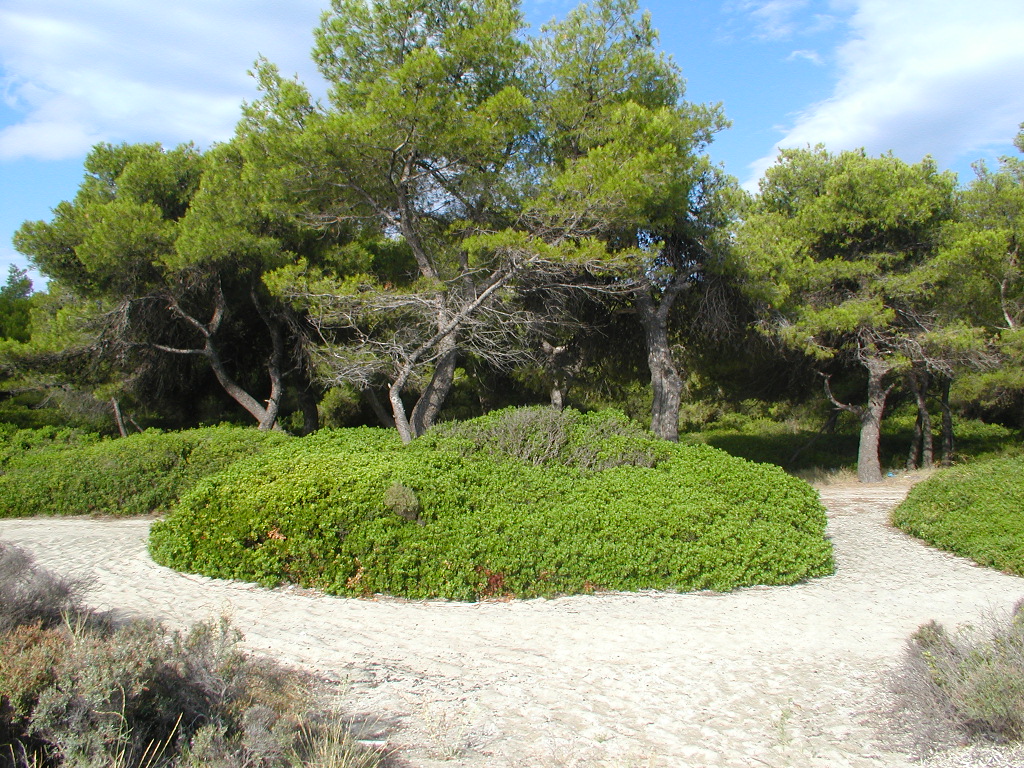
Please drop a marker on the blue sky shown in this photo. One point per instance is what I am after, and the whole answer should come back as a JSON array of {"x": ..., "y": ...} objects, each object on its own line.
[{"x": 919, "y": 77}]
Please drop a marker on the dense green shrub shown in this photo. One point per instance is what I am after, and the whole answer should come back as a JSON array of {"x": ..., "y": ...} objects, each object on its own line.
[
  {"x": 66, "y": 473},
  {"x": 544, "y": 436},
  {"x": 16, "y": 442},
  {"x": 321, "y": 512},
  {"x": 966, "y": 685},
  {"x": 975, "y": 510},
  {"x": 88, "y": 692}
]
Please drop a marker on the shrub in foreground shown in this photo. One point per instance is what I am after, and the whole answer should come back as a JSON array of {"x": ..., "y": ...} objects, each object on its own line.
[
  {"x": 354, "y": 513},
  {"x": 963, "y": 686},
  {"x": 134, "y": 475},
  {"x": 86, "y": 692},
  {"x": 975, "y": 510}
]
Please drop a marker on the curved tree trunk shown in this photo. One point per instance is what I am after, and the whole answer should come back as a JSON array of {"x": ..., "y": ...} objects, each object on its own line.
[
  {"x": 382, "y": 414},
  {"x": 265, "y": 415}
]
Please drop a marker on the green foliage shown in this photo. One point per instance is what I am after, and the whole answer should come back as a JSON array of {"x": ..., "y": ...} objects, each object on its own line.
[
  {"x": 543, "y": 436},
  {"x": 14, "y": 442},
  {"x": 315, "y": 512},
  {"x": 57, "y": 472},
  {"x": 15, "y": 305},
  {"x": 76, "y": 689},
  {"x": 965, "y": 685},
  {"x": 831, "y": 239},
  {"x": 791, "y": 436},
  {"x": 973, "y": 510}
]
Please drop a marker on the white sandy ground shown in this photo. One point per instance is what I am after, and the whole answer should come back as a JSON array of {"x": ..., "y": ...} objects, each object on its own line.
[{"x": 781, "y": 676}]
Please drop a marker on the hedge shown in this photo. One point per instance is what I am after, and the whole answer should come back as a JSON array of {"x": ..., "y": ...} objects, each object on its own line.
[
  {"x": 65, "y": 473},
  {"x": 353, "y": 512},
  {"x": 975, "y": 510}
]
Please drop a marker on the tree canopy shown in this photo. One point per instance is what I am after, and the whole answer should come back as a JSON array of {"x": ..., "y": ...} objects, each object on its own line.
[
  {"x": 478, "y": 214},
  {"x": 835, "y": 245}
]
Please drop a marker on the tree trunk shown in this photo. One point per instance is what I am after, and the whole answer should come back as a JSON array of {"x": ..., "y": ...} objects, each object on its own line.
[
  {"x": 430, "y": 402},
  {"x": 405, "y": 430},
  {"x": 385, "y": 418},
  {"x": 666, "y": 383},
  {"x": 117, "y": 417},
  {"x": 948, "y": 442},
  {"x": 927, "y": 439},
  {"x": 265, "y": 415},
  {"x": 252, "y": 406},
  {"x": 559, "y": 366},
  {"x": 922, "y": 446},
  {"x": 557, "y": 396},
  {"x": 914, "y": 453},
  {"x": 869, "y": 464},
  {"x": 444, "y": 340}
]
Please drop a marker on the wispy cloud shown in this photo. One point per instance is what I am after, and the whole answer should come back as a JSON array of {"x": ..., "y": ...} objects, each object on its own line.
[
  {"x": 812, "y": 56},
  {"x": 77, "y": 73},
  {"x": 784, "y": 19},
  {"x": 919, "y": 77}
]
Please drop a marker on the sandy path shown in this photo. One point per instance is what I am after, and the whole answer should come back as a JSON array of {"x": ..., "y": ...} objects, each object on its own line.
[{"x": 781, "y": 676}]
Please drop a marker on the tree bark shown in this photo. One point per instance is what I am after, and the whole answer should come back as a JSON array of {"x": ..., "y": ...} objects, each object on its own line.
[
  {"x": 405, "y": 430},
  {"x": 559, "y": 365},
  {"x": 263, "y": 416},
  {"x": 382, "y": 414},
  {"x": 444, "y": 371},
  {"x": 117, "y": 417},
  {"x": 666, "y": 383},
  {"x": 869, "y": 464},
  {"x": 557, "y": 396},
  {"x": 431, "y": 400}
]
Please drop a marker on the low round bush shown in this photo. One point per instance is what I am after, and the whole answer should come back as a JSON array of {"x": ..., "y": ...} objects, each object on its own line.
[
  {"x": 134, "y": 475},
  {"x": 354, "y": 512},
  {"x": 975, "y": 510}
]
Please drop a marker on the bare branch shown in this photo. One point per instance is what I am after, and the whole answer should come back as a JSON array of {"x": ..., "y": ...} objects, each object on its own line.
[{"x": 854, "y": 409}]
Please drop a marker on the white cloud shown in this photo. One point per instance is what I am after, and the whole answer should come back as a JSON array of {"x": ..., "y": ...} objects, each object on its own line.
[
  {"x": 919, "y": 77},
  {"x": 119, "y": 70},
  {"x": 812, "y": 56},
  {"x": 783, "y": 19},
  {"x": 45, "y": 140}
]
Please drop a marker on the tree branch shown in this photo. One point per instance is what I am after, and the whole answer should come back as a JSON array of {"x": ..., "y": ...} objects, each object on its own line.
[{"x": 855, "y": 410}]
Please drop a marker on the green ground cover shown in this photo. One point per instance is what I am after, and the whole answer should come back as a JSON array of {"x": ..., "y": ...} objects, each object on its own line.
[
  {"x": 67, "y": 472},
  {"x": 975, "y": 510},
  {"x": 498, "y": 507}
]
